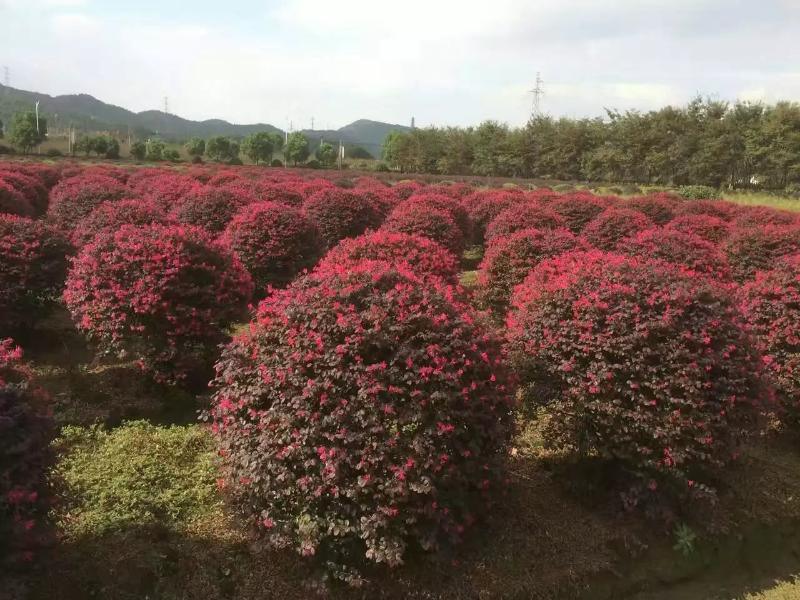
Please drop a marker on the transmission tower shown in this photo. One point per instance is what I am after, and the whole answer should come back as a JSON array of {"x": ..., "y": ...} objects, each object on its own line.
[
  {"x": 166, "y": 105},
  {"x": 537, "y": 93}
]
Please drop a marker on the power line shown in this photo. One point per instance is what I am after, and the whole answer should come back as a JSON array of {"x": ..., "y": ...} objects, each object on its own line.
[{"x": 537, "y": 92}]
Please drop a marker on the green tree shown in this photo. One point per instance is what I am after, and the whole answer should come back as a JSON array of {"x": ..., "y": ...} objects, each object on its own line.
[
  {"x": 259, "y": 147},
  {"x": 196, "y": 147},
  {"x": 138, "y": 150},
  {"x": 326, "y": 154},
  {"x": 2, "y": 129},
  {"x": 112, "y": 151},
  {"x": 296, "y": 150},
  {"x": 222, "y": 149},
  {"x": 358, "y": 153},
  {"x": 155, "y": 149},
  {"x": 25, "y": 134},
  {"x": 171, "y": 155}
]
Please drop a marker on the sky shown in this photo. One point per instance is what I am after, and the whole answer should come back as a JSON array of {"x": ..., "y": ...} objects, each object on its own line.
[{"x": 444, "y": 62}]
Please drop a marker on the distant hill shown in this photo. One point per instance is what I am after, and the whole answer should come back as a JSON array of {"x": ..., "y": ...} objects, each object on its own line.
[{"x": 88, "y": 114}]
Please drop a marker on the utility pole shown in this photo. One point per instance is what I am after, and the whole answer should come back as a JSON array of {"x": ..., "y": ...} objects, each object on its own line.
[
  {"x": 312, "y": 123},
  {"x": 166, "y": 105},
  {"x": 413, "y": 123},
  {"x": 537, "y": 92},
  {"x": 37, "y": 116},
  {"x": 341, "y": 154}
]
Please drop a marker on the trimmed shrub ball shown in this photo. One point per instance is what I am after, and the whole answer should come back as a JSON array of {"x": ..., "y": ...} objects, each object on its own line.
[
  {"x": 711, "y": 229},
  {"x": 683, "y": 250},
  {"x": 13, "y": 202},
  {"x": 613, "y": 225},
  {"x": 112, "y": 215},
  {"x": 420, "y": 255},
  {"x": 523, "y": 216},
  {"x": 29, "y": 186},
  {"x": 33, "y": 266},
  {"x": 73, "y": 199},
  {"x": 509, "y": 259},
  {"x": 771, "y": 305},
  {"x": 25, "y": 433},
  {"x": 660, "y": 208},
  {"x": 713, "y": 208},
  {"x": 578, "y": 210},
  {"x": 163, "y": 295},
  {"x": 447, "y": 204},
  {"x": 758, "y": 216},
  {"x": 281, "y": 194},
  {"x": 484, "y": 205},
  {"x": 364, "y": 410},
  {"x": 760, "y": 248},
  {"x": 639, "y": 363},
  {"x": 210, "y": 208},
  {"x": 341, "y": 214},
  {"x": 164, "y": 188},
  {"x": 273, "y": 241},
  {"x": 427, "y": 221}
]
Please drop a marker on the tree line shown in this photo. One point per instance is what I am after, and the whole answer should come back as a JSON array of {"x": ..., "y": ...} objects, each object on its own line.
[{"x": 707, "y": 142}]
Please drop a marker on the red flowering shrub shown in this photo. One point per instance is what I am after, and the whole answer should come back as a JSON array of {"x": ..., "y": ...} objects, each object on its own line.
[
  {"x": 760, "y": 248},
  {"x": 425, "y": 220},
  {"x": 405, "y": 189},
  {"x": 683, "y": 250},
  {"x": 758, "y": 216},
  {"x": 613, "y": 225},
  {"x": 33, "y": 265},
  {"x": 711, "y": 229},
  {"x": 660, "y": 208},
  {"x": 74, "y": 198},
  {"x": 771, "y": 305},
  {"x": 273, "y": 241},
  {"x": 48, "y": 176},
  {"x": 383, "y": 200},
  {"x": 420, "y": 255},
  {"x": 523, "y": 216},
  {"x": 509, "y": 259},
  {"x": 578, "y": 210},
  {"x": 209, "y": 208},
  {"x": 447, "y": 204},
  {"x": 25, "y": 431},
  {"x": 13, "y": 202},
  {"x": 363, "y": 411},
  {"x": 713, "y": 208},
  {"x": 112, "y": 215},
  {"x": 163, "y": 187},
  {"x": 639, "y": 363},
  {"x": 29, "y": 186},
  {"x": 162, "y": 294},
  {"x": 484, "y": 205},
  {"x": 341, "y": 214},
  {"x": 280, "y": 193}
]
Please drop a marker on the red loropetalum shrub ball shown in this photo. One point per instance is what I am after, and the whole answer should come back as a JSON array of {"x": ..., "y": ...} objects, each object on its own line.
[
  {"x": 425, "y": 220},
  {"x": 447, "y": 204},
  {"x": 527, "y": 215},
  {"x": 639, "y": 363},
  {"x": 362, "y": 412},
  {"x": 280, "y": 193},
  {"x": 660, "y": 208},
  {"x": 112, "y": 215},
  {"x": 73, "y": 199},
  {"x": 509, "y": 259},
  {"x": 760, "y": 248},
  {"x": 683, "y": 250},
  {"x": 341, "y": 214},
  {"x": 209, "y": 208},
  {"x": 33, "y": 265},
  {"x": 713, "y": 208},
  {"x": 578, "y": 210},
  {"x": 164, "y": 295},
  {"x": 25, "y": 433},
  {"x": 613, "y": 225},
  {"x": 483, "y": 206},
  {"x": 273, "y": 241},
  {"x": 420, "y": 255},
  {"x": 12, "y": 202},
  {"x": 162, "y": 187},
  {"x": 771, "y": 305},
  {"x": 711, "y": 229},
  {"x": 758, "y": 216},
  {"x": 29, "y": 186}
]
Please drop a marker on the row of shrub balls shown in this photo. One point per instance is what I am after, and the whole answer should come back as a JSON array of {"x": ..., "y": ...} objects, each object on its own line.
[{"x": 368, "y": 408}]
